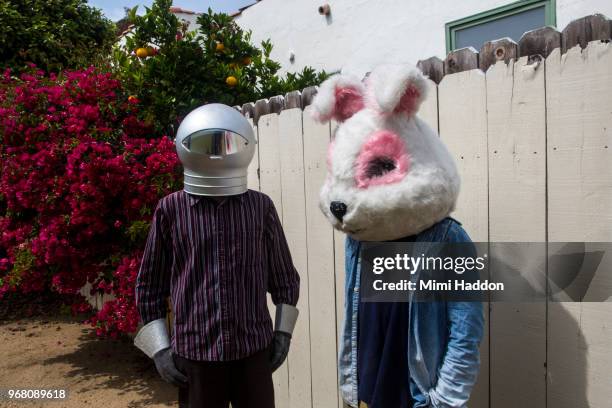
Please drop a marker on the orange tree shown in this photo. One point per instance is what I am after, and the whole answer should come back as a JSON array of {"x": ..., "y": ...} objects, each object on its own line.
[{"x": 169, "y": 68}]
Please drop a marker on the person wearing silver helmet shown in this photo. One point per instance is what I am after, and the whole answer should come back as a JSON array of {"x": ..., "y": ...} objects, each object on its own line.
[{"x": 215, "y": 249}]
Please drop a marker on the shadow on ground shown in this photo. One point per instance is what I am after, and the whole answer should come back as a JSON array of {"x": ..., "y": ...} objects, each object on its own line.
[
  {"x": 118, "y": 365},
  {"x": 58, "y": 350}
]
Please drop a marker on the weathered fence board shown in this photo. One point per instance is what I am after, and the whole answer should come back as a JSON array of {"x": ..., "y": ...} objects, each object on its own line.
[
  {"x": 339, "y": 270},
  {"x": 516, "y": 119},
  {"x": 321, "y": 268},
  {"x": 579, "y": 120},
  {"x": 463, "y": 59},
  {"x": 294, "y": 225},
  {"x": 463, "y": 128},
  {"x": 504, "y": 49},
  {"x": 429, "y": 108},
  {"x": 433, "y": 67},
  {"x": 270, "y": 184}
]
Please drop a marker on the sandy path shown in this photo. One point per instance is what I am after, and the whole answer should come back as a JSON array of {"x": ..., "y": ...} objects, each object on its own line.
[{"x": 61, "y": 353}]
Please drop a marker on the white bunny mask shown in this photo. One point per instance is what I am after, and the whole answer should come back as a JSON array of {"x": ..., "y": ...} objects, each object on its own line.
[{"x": 389, "y": 175}]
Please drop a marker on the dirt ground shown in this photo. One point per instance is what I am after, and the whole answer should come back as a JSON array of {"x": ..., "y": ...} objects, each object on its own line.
[{"x": 62, "y": 353}]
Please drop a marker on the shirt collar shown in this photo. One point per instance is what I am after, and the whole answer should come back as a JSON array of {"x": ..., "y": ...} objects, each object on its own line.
[{"x": 194, "y": 199}]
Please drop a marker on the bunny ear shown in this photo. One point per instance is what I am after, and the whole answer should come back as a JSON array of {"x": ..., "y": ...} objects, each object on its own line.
[
  {"x": 396, "y": 89},
  {"x": 339, "y": 97}
]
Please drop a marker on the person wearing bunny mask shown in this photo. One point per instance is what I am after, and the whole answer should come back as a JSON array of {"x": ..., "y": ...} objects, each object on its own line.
[{"x": 390, "y": 178}]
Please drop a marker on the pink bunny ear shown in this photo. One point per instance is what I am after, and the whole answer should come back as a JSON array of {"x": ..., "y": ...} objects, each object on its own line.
[
  {"x": 396, "y": 89},
  {"x": 339, "y": 97}
]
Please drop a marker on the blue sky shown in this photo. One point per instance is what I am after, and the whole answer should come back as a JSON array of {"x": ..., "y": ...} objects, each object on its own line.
[{"x": 113, "y": 9}]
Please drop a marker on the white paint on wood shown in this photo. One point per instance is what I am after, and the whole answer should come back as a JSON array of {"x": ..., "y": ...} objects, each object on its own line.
[
  {"x": 517, "y": 213},
  {"x": 269, "y": 156},
  {"x": 517, "y": 151},
  {"x": 339, "y": 265},
  {"x": 463, "y": 128},
  {"x": 320, "y": 268},
  {"x": 580, "y": 143},
  {"x": 340, "y": 274},
  {"x": 579, "y": 119},
  {"x": 429, "y": 108},
  {"x": 294, "y": 226},
  {"x": 270, "y": 184}
]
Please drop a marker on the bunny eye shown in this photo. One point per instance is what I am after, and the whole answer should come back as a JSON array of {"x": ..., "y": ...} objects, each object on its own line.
[
  {"x": 382, "y": 159},
  {"x": 380, "y": 166}
]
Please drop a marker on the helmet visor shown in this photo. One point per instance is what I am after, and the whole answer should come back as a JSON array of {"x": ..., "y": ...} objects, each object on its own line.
[{"x": 215, "y": 142}]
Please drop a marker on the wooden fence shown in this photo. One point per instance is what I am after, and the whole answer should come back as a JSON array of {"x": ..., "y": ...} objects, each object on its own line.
[{"x": 530, "y": 126}]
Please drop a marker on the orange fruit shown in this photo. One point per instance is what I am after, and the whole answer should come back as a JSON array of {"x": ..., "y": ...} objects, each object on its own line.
[
  {"x": 219, "y": 47},
  {"x": 247, "y": 60},
  {"x": 142, "y": 52},
  {"x": 231, "y": 81}
]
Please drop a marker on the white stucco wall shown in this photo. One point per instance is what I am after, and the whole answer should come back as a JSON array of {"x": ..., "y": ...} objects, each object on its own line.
[
  {"x": 361, "y": 34},
  {"x": 190, "y": 18}
]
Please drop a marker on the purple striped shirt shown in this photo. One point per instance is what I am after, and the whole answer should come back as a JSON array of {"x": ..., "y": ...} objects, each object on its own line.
[{"x": 216, "y": 261}]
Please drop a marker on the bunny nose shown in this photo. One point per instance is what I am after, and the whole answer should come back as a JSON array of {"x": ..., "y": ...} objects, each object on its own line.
[{"x": 338, "y": 208}]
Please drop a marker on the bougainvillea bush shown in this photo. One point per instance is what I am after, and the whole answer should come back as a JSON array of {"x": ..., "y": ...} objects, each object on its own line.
[{"x": 79, "y": 178}]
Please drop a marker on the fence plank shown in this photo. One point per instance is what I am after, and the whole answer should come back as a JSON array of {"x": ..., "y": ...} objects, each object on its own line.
[
  {"x": 339, "y": 270},
  {"x": 461, "y": 60},
  {"x": 463, "y": 128},
  {"x": 579, "y": 123},
  {"x": 307, "y": 95},
  {"x": 580, "y": 148},
  {"x": 294, "y": 225},
  {"x": 340, "y": 273},
  {"x": 270, "y": 184},
  {"x": 517, "y": 151},
  {"x": 276, "y": 104},
  {"x": 248, "y": 110},
  {"x": 320, "y": 268},
  {"x": 504, "y": 49},
  {"x": 583, "y": 30},
  {"x": 293, "y": 99},
  {"x": 261, "y": 107},
  {"x": 540, "y": 41},
  {"x": 433, "y": 67},
  {"x": 429, "y": 108},
  {"x": 517, "y": 168}
]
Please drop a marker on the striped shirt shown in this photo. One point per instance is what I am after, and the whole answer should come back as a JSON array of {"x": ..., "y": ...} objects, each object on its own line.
[{"x": 216, "y": 261}]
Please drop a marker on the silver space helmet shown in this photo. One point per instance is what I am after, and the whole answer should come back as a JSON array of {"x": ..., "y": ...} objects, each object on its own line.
[{"x": 215, "y": 143}]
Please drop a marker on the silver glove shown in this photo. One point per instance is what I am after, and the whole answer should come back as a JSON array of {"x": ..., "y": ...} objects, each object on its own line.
[{"x": 153, "y": 337}]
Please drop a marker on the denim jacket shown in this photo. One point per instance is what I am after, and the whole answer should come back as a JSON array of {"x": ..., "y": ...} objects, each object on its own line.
[{"x": 444, "y": 339}]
